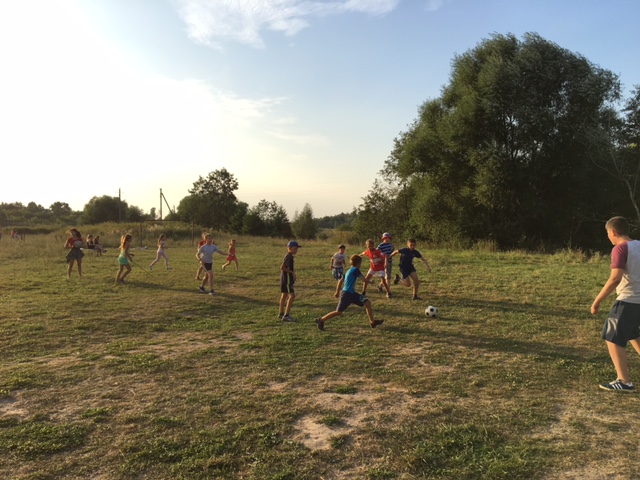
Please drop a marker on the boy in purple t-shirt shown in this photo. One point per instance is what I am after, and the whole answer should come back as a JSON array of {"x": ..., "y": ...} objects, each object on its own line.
[{"x": 622, "y": 325}]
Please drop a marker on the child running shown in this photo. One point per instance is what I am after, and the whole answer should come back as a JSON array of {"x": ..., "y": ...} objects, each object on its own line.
[
  {"x": 407, "y": 270},
  {"x": 386, "y": 247},
  {"x": 205, "y": 255},
  {"x": 378, "y": 267},
  {"x": 231, "y": 255},
  {"x": 338, "y": 262},
  {"x": 124, "y": 257},
  {"x": 348, "y": 296},
  {"x": 74, "y": 244},
  {"x": 161, "y": 253},
  {"x": 200, "y": 267}
]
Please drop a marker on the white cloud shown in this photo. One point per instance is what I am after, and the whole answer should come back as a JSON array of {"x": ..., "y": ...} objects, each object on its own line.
[
  {"x": 211, "y": 21},
  {"x": 433, "y": 5}
]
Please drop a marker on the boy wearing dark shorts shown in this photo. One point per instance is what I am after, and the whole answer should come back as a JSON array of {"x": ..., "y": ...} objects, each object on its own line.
[
  {"x": 622, "y": 325},
  {"x": 287, "y": 279},
  {"x": 407, "y": 270},
  {"x": 348, "y": 295}
]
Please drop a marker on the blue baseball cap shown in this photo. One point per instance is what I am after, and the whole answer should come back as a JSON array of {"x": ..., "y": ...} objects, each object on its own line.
[{"x": 293, "y": 243}]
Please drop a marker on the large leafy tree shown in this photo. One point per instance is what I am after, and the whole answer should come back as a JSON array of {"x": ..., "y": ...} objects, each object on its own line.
[
  {"x": 502, "y": 154},
  {"x": 212, "y": 201}
]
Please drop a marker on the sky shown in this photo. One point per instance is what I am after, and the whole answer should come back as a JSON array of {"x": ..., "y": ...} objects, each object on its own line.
[{"x": 300, "y": 100}]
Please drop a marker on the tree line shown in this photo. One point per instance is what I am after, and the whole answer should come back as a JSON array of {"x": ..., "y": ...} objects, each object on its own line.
[{"x": 528, "y": 146}]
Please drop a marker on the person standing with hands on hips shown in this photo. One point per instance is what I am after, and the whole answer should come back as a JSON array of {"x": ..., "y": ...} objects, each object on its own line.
[{"x": 622, "y": 325}]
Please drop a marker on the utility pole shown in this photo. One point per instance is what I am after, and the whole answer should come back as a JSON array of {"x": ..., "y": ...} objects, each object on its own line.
[{"x": 119, "y": 209}]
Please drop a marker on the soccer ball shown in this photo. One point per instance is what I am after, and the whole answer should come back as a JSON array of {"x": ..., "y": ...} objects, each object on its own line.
[{"x": 431, "y": 311}]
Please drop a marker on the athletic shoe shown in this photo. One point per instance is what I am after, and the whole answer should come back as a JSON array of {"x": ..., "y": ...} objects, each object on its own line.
[
  {"x": 288, "y": 318},
  {"x": 396, "y": 280},
  {"x": 320, "y": 324},
  {"x": 201, "y": 288},
  {"x": 150, "y": 268},
  {"x": 211, "y": 292},
  {"x": 617, "y": 386},
  {"x": 280, "y": 315},
  {"x": 376, "y": 323},
  {"x": 388, "y": 295},
  {"x": 416, "y": 297},
  {"x": 168, "y": 268}
]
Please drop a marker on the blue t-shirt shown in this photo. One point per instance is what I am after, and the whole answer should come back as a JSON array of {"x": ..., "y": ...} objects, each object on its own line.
[
  {"x": 350, "y": 279},
  {"x": 406, "y": 257}
]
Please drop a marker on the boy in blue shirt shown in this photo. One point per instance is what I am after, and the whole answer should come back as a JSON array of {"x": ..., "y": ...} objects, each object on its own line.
[{"x": 349, "y": 296}]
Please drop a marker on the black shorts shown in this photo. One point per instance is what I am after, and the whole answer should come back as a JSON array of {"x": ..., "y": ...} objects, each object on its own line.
[
  {"x": 405, "y": 272},
  {"x": 348, "y": 298},
  {"x": 207, "y": 267},
  {"x": 622, "y": 324},
  {"x": 286, "y": 287}
]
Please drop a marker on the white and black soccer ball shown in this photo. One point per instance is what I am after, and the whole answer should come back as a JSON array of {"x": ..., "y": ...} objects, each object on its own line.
[{"x": 431, "y": 311}]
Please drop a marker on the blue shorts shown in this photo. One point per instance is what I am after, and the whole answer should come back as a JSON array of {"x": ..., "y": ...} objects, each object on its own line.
[
  {"x": 622, "y": 324},
  {"x": 338, "y": 273},
  {"x": 348, "y": 298}
]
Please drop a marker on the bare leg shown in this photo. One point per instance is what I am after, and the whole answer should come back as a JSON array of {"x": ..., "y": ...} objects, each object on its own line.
[
  {"x": 69, "y": 268},
  {"x": 619, "y": 357},
  {"x": 366, "y": 282},
  {"x": 330, "y": 315},
  {"x": 416, "y": 283},
  {"x": 292, "y": 297},
  {"x": 283, "y": 302},
  {"x": 369, "y": 310},
  {"x": 128, "y": 271},
  {"x": 80, "y": 267}
]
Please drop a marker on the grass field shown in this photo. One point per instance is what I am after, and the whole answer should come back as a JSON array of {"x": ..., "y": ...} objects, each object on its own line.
[{"x": 153, "y": 380}]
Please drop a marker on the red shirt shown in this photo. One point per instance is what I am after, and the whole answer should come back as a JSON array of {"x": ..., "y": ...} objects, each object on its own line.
[
  {"x": 376, "y": 259},
  {"x": 71, "y": 242}
]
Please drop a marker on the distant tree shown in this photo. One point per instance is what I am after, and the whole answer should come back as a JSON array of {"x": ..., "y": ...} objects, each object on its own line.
[
  {"x": 237, "y": 219},
  {"x": 303, "y": 225},
  {"x": 152, "y": 214},
  {"x": 135, "y": 214},
  {"x": 267, "y": 218},
  {"x": 104, "y": 209},
  {"x": 60, "y": 209},
  {"x": 339, "y": 220},
  {"x": 217, "y": 204}
]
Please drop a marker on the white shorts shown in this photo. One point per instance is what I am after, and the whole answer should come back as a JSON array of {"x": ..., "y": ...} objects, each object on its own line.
[{"x": 377, "y": 273}]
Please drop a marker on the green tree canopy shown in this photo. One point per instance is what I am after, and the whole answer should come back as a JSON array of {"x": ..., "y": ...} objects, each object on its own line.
[
  {"x": 104, "y": 209},
  {"x": 304, "y": 226},
  {"x": 267, "y": 218},
  {"x": 502, "y": 154},
  {"x": 212, "y": 202}
]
